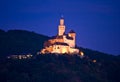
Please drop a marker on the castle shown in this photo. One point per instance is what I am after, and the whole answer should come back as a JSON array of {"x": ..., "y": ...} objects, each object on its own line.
[{"x": 61, "y": 43}]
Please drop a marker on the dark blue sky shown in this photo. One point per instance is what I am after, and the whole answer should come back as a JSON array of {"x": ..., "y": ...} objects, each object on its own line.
[{"x": 96, "y": 22}]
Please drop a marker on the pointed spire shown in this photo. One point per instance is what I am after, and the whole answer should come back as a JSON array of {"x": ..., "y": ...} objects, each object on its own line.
[{"x": 62, "y": 17}]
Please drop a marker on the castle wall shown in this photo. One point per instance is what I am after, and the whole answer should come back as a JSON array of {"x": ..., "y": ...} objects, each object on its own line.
[
  {"x": 74, "y": 50},
  {"x": 60, "y": 49},
  {"x": 71, "y": 43}
]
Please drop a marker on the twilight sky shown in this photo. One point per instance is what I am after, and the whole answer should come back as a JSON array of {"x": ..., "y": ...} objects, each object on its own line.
[{"x": 96, "y": 22}]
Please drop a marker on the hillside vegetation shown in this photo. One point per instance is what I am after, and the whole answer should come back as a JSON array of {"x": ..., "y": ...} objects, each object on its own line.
[
  {"x": 20, "y": 42},
  {"x": 94, "y": 67}
]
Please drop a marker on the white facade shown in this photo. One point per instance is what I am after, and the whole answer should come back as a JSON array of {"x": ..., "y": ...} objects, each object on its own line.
[
  {"x": 70, "y": 42},
  {"x": 60, "y": 49}
]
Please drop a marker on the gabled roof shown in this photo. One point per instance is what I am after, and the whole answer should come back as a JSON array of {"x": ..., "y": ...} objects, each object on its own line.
[
  {"x": 57, "y": 37},
  {"x": 71, "y": 31},
  {"x": 60, "y": 43}
]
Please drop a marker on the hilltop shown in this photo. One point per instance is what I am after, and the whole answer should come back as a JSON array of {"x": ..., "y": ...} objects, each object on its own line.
[
  {"x": 94, "y": 67},
  {"x": 20, "y": 42}
]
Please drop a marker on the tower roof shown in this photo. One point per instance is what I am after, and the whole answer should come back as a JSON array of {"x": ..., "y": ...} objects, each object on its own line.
[
  {"x": 71, "y": 31},
  {"x": 62, "y": 17}
]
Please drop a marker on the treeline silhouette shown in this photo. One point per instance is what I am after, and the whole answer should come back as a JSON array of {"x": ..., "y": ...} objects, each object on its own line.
[
  {"x": 51, "y": 67},
  {"x": 20, "y": 42}
]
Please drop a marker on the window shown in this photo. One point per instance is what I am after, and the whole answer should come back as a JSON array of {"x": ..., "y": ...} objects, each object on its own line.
[{"x": 58, "y": 47}]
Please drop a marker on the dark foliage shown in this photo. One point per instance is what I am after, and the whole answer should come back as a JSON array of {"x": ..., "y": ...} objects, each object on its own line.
[
  {"x": 51, "y": 67},
  {"x": 62, "y": 68},
  {"x": 20, "y": 42}
]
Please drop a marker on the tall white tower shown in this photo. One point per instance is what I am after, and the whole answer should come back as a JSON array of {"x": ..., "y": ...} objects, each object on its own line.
[{"x": 61, "y": 27}]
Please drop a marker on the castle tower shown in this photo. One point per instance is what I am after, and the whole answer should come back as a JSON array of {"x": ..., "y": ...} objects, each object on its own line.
[
  {"x": 73, "y": 35},
  {"x": 61, "y": 27}
]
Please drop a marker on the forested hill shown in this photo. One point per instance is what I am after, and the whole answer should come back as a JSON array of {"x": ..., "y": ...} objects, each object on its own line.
[
  {"x": 94, "y": 67},
  {"x": 20, "y": 42}
]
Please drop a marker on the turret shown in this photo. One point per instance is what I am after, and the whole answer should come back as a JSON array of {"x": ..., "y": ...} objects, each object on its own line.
[
  {"x": 61, "y": 27},
  {"x": 73, "y": 35}
]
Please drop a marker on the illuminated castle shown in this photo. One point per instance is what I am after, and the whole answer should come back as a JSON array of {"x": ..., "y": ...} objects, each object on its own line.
[{"x": 62, "y": 43}]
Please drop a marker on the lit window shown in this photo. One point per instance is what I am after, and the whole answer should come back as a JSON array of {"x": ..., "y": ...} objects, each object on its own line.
[
  {"x": 81, "y": 53},
  {"x": 94, "y": 61}
]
